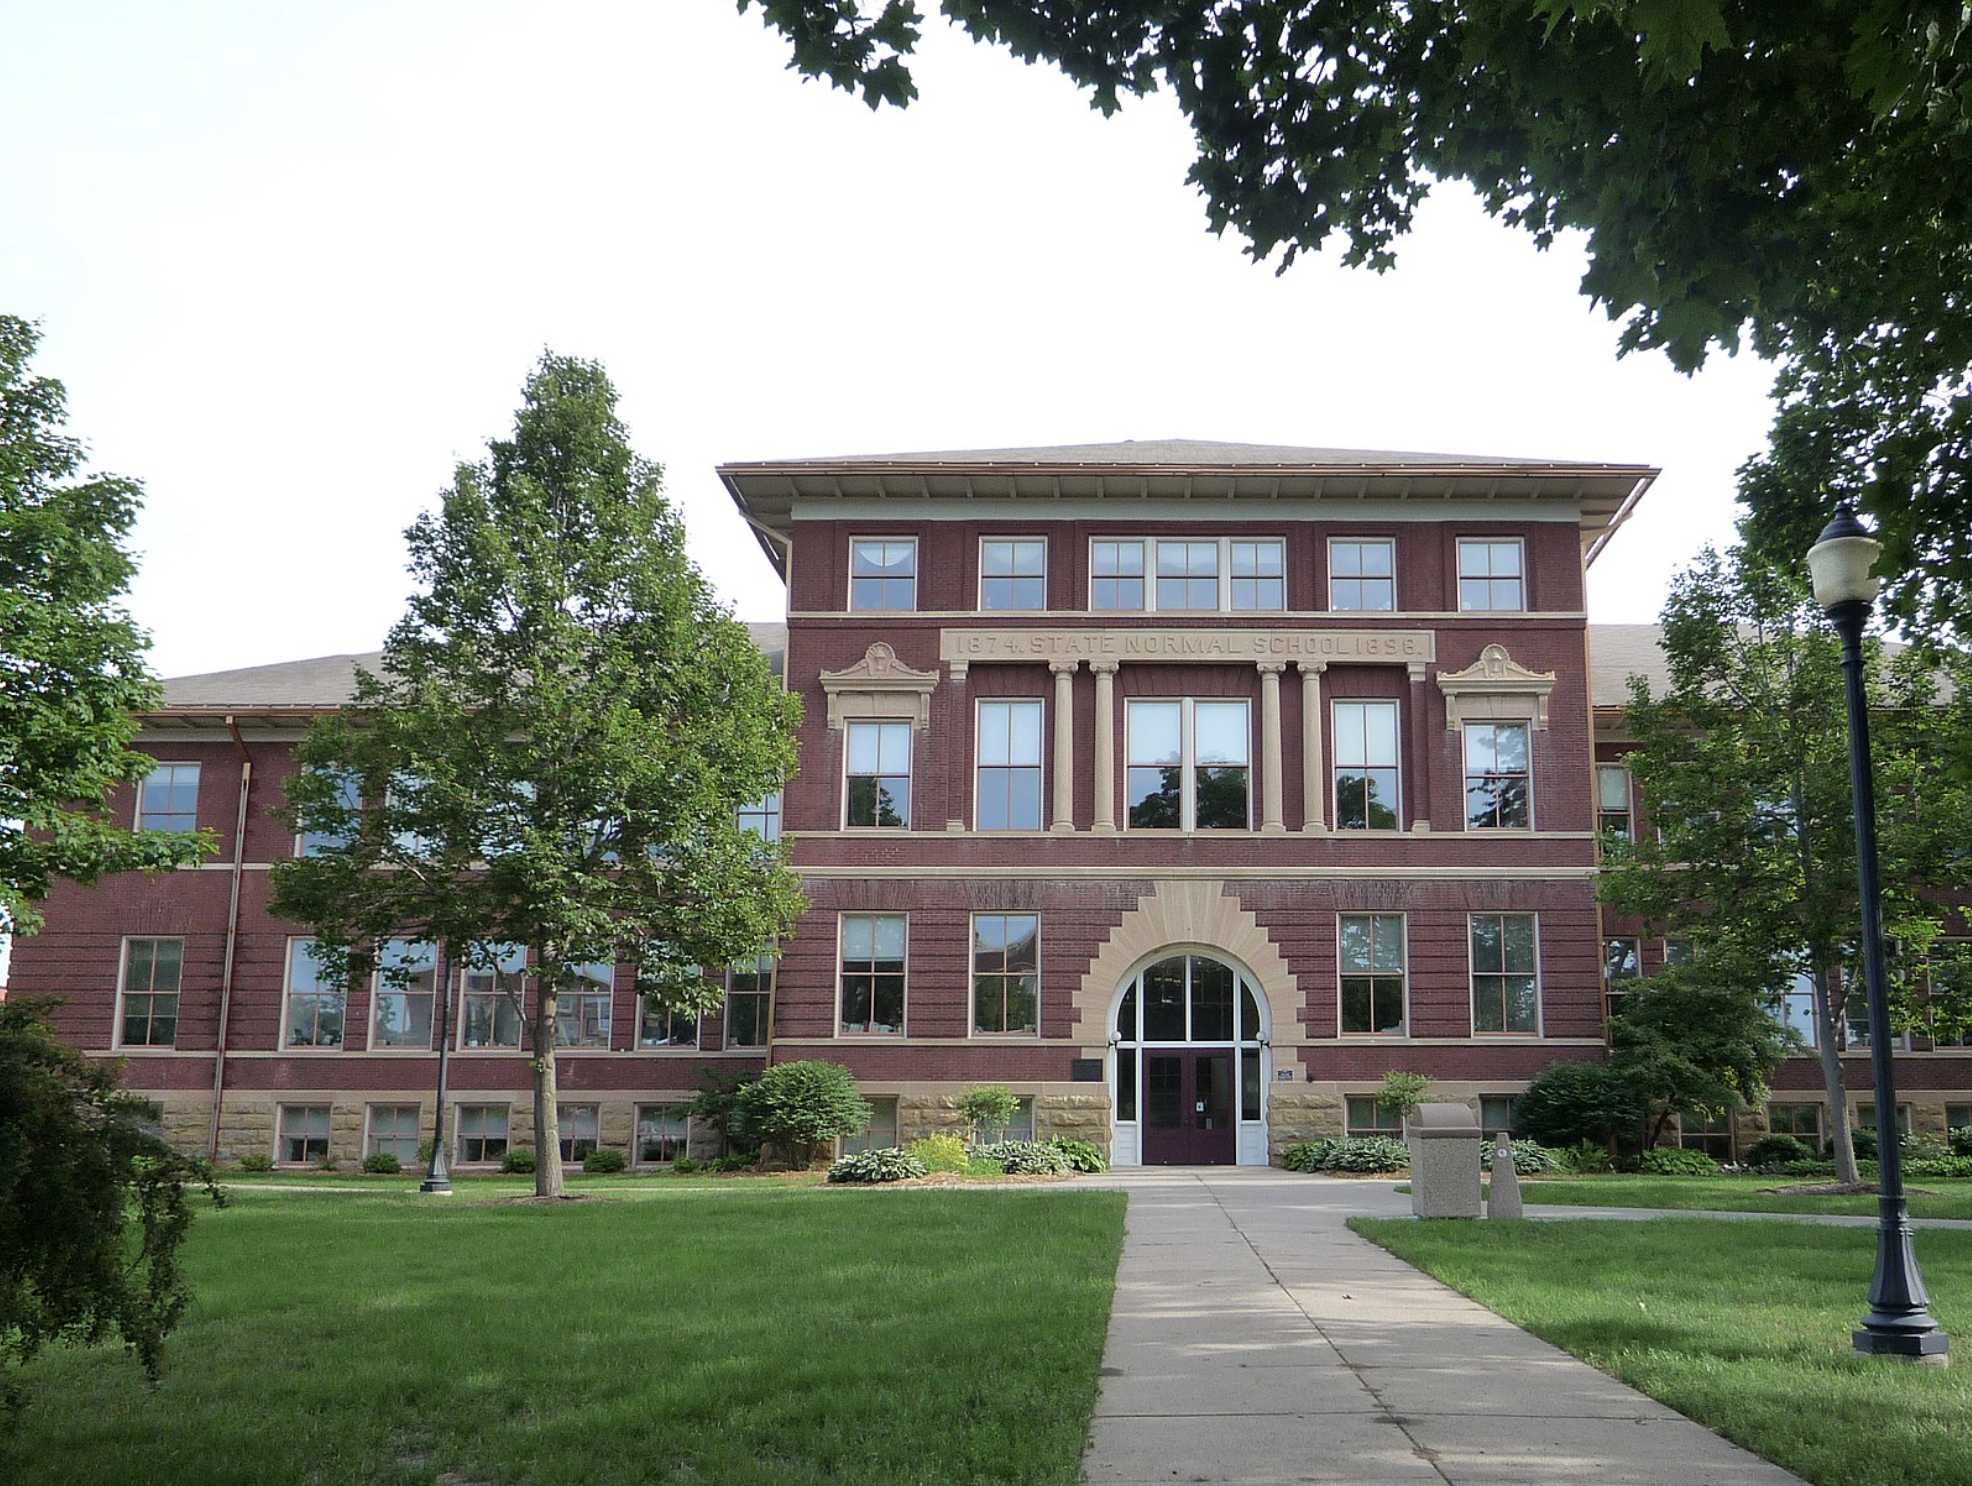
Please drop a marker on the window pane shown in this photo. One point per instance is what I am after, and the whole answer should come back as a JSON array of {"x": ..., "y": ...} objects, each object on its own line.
[
  {"x": 1220, "y": 732},
  {"x": 1164, "y": 1001},
  {"x": 1211, "y": 1000},
  {"x": 1155, "y": 732}
]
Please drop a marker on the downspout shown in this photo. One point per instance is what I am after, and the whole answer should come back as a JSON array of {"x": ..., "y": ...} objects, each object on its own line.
[{"x": 232, "y": 937}]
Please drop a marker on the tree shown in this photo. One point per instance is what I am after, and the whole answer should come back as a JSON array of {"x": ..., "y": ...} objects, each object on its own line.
[
  {"x": 1743, "y": 765},
  {"x": 988, "y": 1109},
  {"x": 1568, "y": 1104},
  {"x": 799, "y": 1108},
  {"x": 1797, "y": 170},
  {"x": 78, "y": 1171},
  {"x": 71, "y": 658},
  {"x": 554, "y": 751}
]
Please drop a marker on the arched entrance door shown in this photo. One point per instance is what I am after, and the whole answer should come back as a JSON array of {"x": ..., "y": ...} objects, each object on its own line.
[{"x": 1189, "y": 1085}]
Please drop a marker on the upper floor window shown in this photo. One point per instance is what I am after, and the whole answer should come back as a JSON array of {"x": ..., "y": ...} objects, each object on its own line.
[
  {"x": 168, "y": 798},
  {"x": 658, "y": 1026},
  {"x": 1188, "y": 765},
  {"x": 315, "y": 1005},
  {"x": 1612, "y": 801},
  {"x": 1492, "y": 573},
  {"x": 1006, "y": 972},
  {"x": 1498, "y": 794},
  {"x": 749, "y": 1001},
  {"x": 873, "y": 972},
  {"x": 349, "y": 795},
  {"x": 1013, "y": 573},
  {"x": 883, "y": 573},
  {"x": 1192, "y": 574},
  {"x": 1622, "y": 963},
  {"x": 407, "y": 978},
  {"x": 878, "y": 770},
  {"x": 1009, "y": 766},
  {"x": 1116, "y": 575},
  {"x": 1366, "y": 766},
  {"x": 152, "y": 970},
  {"x": 582, "y": 1009},
  {"x": 1362, "y": 573},
  {"x": 1259, "y": 575},
  {"x": 1505, "y": 980},
  {"x": 491, "y": 1006},
  {"x": 763, "y": 817}
]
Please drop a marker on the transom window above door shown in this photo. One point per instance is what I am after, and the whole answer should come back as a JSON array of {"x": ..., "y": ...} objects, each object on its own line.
[{"x": 1189, "y": 575}]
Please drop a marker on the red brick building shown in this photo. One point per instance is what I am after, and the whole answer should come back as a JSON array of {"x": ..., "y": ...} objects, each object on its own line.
[{"x": 1183, "y": 788}]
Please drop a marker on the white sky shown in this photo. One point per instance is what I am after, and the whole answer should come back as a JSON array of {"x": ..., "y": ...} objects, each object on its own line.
[{"x": 293, "y": 261}]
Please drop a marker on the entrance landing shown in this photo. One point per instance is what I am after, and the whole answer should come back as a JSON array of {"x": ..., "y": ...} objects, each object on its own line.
[{"x": 1255, "y": 1339}]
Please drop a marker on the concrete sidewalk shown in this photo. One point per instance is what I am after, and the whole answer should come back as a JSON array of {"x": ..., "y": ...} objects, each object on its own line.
[{"x": 1255, "y": 1339}]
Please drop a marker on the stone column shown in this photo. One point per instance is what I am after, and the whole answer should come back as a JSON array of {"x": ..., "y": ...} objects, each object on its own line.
[
  {"x": 1064, "y": 744},
  {"x": 1314, "y": 786},
  {"x": 1272, "y": 821},
  {"x": 1420, "y": 751},
  {"x": 1105, "y": 765}
]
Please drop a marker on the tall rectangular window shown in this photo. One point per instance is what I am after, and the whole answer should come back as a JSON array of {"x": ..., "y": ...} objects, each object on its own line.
[
  {"x": 314, "y": 1006},
  {"x": 1498, "y": 779},
  {"x": 579, "y": 1126},
  {"x": 1492, "y": 574},
  {"x": 482, "y": 1133},
  {"x": 1187, "y": 576},
  {"x": 1366, "y": 766},
  {"x": 1612, "y": 801},
  {"x": 304, "y": 1136},
  {"x": 1009, "y": 756},
  {"x": 349, "y": 796},
  {"x": 749, "y": 1001},
  {"x": 168, "y": 798},
  {"x": 878, "y": 763},
  {"x": 582, "y": 1010},
  {"x": 1362, "y": 573},
  {"x": 873, "y": 972},
  {"x": 407, "y": 977},
  {"x": 1013, "y": 573},
  {"x": 883, "y": 573},
  {"x": 1797, "y": 1008},
  {"x": 663, "y": 1133},
  {"x": 393, "y": 1132},
  {"x": 1622, "y": 963},
  {"x": 1116, "y": 575},
  {"x": 152, "y": 972},
  {"x": 1370, "y": 952},
  {"x": 1006, "y": 972},
  {"x": 1505, "y": 980},
  {"x": 1188, "y": 765},
  {"x": 659, "y": 1027},
  {"x": 490, "y": 1010},
  {"x": 1258, "y": 574},
  {"x": 763, "y": 817}
]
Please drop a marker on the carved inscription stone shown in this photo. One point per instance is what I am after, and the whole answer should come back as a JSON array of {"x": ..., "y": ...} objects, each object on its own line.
[{"x": 1363, "y": 647}]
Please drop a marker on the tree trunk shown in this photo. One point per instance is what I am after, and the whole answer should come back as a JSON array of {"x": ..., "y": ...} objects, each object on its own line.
[
  {"x": 1831, "y": 1076},
  {"x": 547, "y": 1126}
]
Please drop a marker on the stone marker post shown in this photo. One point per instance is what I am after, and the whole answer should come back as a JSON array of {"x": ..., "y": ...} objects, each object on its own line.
[
  {"x": 1505, "y": 1199},
  {"x": 1444, "y": 1142}
]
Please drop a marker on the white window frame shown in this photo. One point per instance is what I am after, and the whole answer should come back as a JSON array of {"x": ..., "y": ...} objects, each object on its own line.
[
  {"x": 841, "y": 977},
  {"x": 672, "y": 1019},
  {"x": 1472, "y": 974},
  {"x": 681, "y": 1109},
  {"x": 771, "y": 970},
  {"x": 138, "y": 811},
  {"x": 566, "y": 1115},
  {"x": 1386, "y": 1123},
  {"x": 1224, "y": 576},
  {"x": 506, "y": 1109},
  {"x": 910, "y": 768},
  {"x": 380, "y": 988},
  {"x": 352, "y": 790},
  {"x": 1336, "y": 767},
  {"x": 1466, "y": 775},
  {"x": 117, "y": 1038},
  {"x": 605, "y": 992},
  {"x": 1459, "y": 576},
  {"x": 849, "y": 1145},
  {"x": 370, "y": 1147},
  {"x": 328, "y": 1136},
  {"x": 1602, "y": 810},
  {"x": 1042, "y": 543},
  {"x": 287, "y": 1002},
  {"x": 1039, "y": 766},
  {"x": 1188, "y": 764},
  {"x": 1019, "y": 1034},
  {"x": 917, "y": 575},
  {"x": 466, "y": 991},
  {"x": 1403, "y": 974},
  {"x": 1329, "y": 552},
  {"x": 762, "y": 817}
]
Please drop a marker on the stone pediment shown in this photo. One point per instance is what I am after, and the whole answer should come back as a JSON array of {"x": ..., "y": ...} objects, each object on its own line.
[
  {"x": 879, "y": 685},
  {"x": 1495, "y": 687}
]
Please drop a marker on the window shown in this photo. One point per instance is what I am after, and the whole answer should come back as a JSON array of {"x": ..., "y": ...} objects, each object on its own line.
[
  {"x": 663, "y": 1133},
  {"x": 1612, "y": 801},
  {"x": 1366, "y": 766},
  {"x": 1497, "y": 791},
  {"x": 579, "y": 1128},
  {"x": 1021, "y": 1126},
  {"x": 660, "y": 1027},
  {"x": 881, "y": 1132},
  {"x": 1116, "y": 575},
  {"x": 1505, "y": 984},
  {"x": 879, "y": 774},
  {"x": 873, "y": 972},
  {"x": 394, "y": 1132},
  {"x": 1006, "y": 972},
  {"x": 1958, "y": 1116},
  {"x": 304, "y": 1134},
  {"x": 1370, "y": 952},
  {"x": 1802, "y": 1121},
  {"x": 407, "y": 794},
  {"x": 1187, "y": 765},
  {"x": 1367, "y": 1117},
  {"x": 1009, "y": 766},
  {"x": 491, "y": 1014},
  {"x": 1491, "y": 574},
  {"x": 407, "y": 976},
  {"x": 1678, "y": 952},
  {"x": 1495, "y": 1115},
  {"x": 168, "y": 799},
  {"x": 749, "y": 1001},
  {"x": 582, "y": 1009},
  {"x": 1257, "y": 575},
  {"x": 152, "y": 971},
  {"x": 763, "y": 817},
  {"x": 1855, "y": 1017},
  {"x": 1707, "y": 1130},
  {"x": 1187, "y": 575},
  {"x": 883, "y": 573},
  {"x": 315, "y": 1007},
  {"x": 1622, "y": 962},
  {"x": 349, "y": 796},
  {"x": 1013, "y": 573},
  {"x": 482, "y": 1133},
  {"x": 1947, "y": 980},
  {"x": 1797, "y": 1008},
  {"x": 1362, "y": 573},
  {"x": 1866, "y": 1118}
]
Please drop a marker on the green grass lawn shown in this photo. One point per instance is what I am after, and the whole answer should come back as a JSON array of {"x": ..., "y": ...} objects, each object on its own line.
[
  {"x": 752, "y": 1335},
  {"x": 1742, "y": 1326},
  {"x": 1735, "y": 1193}
]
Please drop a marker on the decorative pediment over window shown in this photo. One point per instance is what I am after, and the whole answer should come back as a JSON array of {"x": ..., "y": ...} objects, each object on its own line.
[
  {"x": 1495, "y": 688},
  {"x": 879, "y": 685}
]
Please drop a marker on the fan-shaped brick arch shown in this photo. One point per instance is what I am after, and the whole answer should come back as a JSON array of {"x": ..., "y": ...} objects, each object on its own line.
[{"x": 1192, "y": 913}]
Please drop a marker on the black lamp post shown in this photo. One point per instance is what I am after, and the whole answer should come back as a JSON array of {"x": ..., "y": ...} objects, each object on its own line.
[
  {"x": 1899, "y": 1323},
  {"x": 438, "y": 1181}
]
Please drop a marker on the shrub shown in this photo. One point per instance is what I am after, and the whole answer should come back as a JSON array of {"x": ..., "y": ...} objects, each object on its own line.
[
  {"x": 1863, "y": 1139},
  {"x": 981, "y": 1166},
  {"x": 1530, "y": 1158},
  {"x": 685, "y": 1166},
  {"x": 328, "y": 1163},
  {"x": 1373, "y": 1154},
  {"x": 799, "y": 1108},
  {"x": 891, "y": 1165},
  {"x": 734, "y": 1162},
  {"x": 257, "y": 1161},
  {"x": 1570, "y": 1103},
  {"x": 940, "y": 1152},
  {"x": 1027, "y": 1158},
  {"x": 1818, "y": 1166},
  {"x": 988, "y": 1108},
  {"x": 382, "y": 1163},
  {"x": 1777, "y": 1150},
  {"x": 1083, "y": 1155},
  {"x": 1587, "y": 1157},
  {"x": 518, "y": 1161},
  {"x": 1670, "y": 1161},
  {"x": 1960, "y": 1141},
  {"x": 1929, "y": 1156},
  {"x": 603, "y": 1161}
]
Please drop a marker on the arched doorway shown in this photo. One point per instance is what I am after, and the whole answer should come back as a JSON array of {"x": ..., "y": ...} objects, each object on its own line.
[{"x": 1188, "y": 1076}]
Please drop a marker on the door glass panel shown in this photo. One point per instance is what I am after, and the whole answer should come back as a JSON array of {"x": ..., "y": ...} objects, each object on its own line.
[
  {"x": 1163, "y": 1079},
  {"x": 1249, "y": 1014},
  {"x": 1164, "y": 1001},
  {"x": 1213, "y": 1101},
  {"x": 1249, "y": 1084},
  {"x": 1126, "y": 1016},
  {"x": 1211, "y": 1001},
  {"x": 1126, "y": 1085}
]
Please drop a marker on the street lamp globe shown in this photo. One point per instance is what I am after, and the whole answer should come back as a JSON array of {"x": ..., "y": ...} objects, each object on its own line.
[{"x": 1840, "y": 563}]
